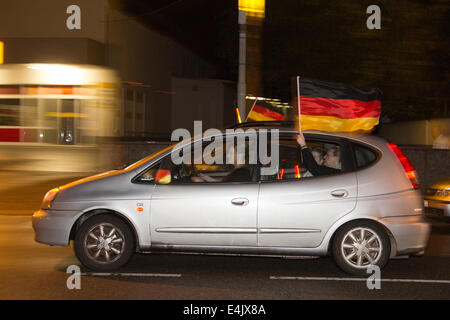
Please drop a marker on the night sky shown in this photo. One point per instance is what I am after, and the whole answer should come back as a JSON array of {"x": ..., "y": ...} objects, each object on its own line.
[{"x": 409, "y": 58}]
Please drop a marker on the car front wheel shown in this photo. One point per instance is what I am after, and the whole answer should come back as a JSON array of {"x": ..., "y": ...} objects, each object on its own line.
[
  {"x": 104, "y": 243},
  {"x": 360, "y": 244}
]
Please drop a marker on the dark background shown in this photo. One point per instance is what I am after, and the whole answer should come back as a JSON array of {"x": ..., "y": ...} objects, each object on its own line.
[{"x": 408, "y": 58}]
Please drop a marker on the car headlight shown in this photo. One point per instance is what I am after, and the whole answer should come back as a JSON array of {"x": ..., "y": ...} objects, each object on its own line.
[{"x": 49, "y": 197}]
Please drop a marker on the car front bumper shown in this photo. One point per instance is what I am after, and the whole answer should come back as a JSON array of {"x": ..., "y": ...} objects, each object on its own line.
[
  {"x": 437, "y": 207},
  {"x": 53, "y": 227},
  {"x": 411, "y": 233}
]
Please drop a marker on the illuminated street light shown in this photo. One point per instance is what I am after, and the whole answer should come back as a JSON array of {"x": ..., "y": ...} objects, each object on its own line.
[
  {"x": 2, "y": 52},
  {"x": 254, "y": 8}
]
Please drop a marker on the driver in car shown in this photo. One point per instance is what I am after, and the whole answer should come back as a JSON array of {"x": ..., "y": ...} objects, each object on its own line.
[{"x": 240, "y": 173}]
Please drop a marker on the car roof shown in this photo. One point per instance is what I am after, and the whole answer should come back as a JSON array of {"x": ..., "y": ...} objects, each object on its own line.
[
  {"x": 284, "y": 128},
  {"x": 288, "y": 127}
]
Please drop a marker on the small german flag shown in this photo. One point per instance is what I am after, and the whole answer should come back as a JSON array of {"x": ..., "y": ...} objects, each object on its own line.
[
  {"x": 163, "y": 176},
  {"x": 335, "y": 107},
  {"x": 264, "y": 111}
]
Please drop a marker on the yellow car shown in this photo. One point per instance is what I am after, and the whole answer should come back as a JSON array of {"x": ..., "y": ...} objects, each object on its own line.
[{"x": 437, "y": 198}]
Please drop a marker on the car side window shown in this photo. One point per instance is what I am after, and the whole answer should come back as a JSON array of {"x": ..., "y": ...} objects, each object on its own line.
[
  {"x": 232, "y": 165},
  {"x": 323, "y": 158},
  {"x": 226, "y": 163},
  {"x": 163, "y": 172},
  {"x": 364, "y": 156},
  {"x": 148, "y": 176}
]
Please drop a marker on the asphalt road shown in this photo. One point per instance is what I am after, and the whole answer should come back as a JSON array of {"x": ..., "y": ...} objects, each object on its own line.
[
  {"x": 29, "y": 270},
  {"x": 21, "y": 192}
]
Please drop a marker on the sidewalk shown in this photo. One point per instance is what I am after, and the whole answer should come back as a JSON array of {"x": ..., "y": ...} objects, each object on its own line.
[{"x": 21, "y": 192}]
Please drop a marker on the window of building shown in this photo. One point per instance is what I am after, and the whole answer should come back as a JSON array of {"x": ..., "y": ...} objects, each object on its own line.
[{"x": 9, "y": 112}]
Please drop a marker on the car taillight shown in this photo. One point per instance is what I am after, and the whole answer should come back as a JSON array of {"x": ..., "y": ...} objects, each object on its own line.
[{"x": 411, "y": 174}]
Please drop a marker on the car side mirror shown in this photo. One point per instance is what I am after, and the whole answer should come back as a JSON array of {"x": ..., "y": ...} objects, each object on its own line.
[{"x": 163, "y": 176}]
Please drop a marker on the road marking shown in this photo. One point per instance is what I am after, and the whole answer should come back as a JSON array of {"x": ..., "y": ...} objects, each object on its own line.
[
  {"x": 121, "y": 274},
  {"x": 357, "y": 279}
]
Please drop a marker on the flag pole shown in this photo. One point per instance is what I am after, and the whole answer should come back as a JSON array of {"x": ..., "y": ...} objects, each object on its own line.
[
  {"x": 238, "y": 115},
  {"x": 251, "y": 109},
  {"x": 298, "y": 104}
]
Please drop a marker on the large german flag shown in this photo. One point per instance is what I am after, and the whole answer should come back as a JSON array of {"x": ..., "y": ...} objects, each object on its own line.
[
  {"x": 264, "y": 111},
  {"x": 335, "y": 107}
]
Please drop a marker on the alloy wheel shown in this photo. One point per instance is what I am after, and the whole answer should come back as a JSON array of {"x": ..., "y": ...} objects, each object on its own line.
[
  {"x": 361, "y": 247},
  {"x": 104, "y": 243}
]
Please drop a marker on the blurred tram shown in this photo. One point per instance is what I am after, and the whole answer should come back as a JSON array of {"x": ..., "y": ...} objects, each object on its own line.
[{"x": 57, "y": 104}]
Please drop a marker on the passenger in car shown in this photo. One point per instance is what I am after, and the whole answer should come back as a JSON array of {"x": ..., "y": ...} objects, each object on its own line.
[
  {"x": 331, "y": 160},
  {"x": 318, "y": 155}
]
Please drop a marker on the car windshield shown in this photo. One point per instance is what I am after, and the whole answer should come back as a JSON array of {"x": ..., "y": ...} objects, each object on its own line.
[
  {"x": 154, "y": 155},
  {"x": 146, "y": 159}
]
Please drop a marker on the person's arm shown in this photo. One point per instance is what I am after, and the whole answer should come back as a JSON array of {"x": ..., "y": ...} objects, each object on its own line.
[
  {"x": 310, "y": 163},
  {"x": 201, "y": 177},
  {"x": 308, "y": 158},
  {"x": 301, "y": 140},
  {"x": 207, "y": 178}
]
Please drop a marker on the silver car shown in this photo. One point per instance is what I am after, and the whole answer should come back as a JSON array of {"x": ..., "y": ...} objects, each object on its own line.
[{"x": 366, "y": 210}]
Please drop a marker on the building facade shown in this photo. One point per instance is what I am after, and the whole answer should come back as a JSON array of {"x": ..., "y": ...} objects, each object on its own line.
[{"x": 145, "y": 59}]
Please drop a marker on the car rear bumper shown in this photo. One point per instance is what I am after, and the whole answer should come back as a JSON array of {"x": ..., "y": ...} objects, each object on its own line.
[
  {"x": 411, "y": 233},
  {"x": 53, "y": 227},
  {"x": 437, "y": 207}
]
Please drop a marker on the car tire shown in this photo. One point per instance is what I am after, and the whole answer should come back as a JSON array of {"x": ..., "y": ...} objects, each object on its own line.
[
  {"x": 104, "y": 243},
  {"x": 360, "y": 244}
]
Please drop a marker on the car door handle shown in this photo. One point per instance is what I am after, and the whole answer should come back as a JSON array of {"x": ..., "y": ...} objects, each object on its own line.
[
  {"x": 341, "y": 193},
  {"x": 240, "y": 201}
]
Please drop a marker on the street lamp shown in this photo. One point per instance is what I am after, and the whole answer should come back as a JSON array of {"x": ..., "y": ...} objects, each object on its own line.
[
  {"x": 252, "y": 8},
  {"x": 242, "y": 55}
]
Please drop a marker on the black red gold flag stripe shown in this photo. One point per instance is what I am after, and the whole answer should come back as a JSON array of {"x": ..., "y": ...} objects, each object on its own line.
[
  {"x": 330, "y": 106},
  {"x": 264, "y": 111}
]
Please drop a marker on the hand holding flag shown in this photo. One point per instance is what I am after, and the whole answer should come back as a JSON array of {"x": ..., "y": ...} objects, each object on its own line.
[{"x": 301, "y": 139}]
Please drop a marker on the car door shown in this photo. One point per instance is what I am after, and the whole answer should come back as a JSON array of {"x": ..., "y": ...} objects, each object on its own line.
[
  {"x": 297, "y": 210},
  {"x": 184, "y": 212}
]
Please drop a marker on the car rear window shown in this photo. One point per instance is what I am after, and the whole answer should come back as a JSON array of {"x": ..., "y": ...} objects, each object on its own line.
[{"x": 364, "y": 156}]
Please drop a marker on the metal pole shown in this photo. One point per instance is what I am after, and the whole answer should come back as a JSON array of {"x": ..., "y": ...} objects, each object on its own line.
[
  {"x": 298, "y": 105},
  {"x": 58, "y": 121},
  {"x": 144, "y": 106},
  {"x": 134, "y": 113},
  {"x": 41, "y": 113},
  {"x": 242, "y": 55},
  {"x": 122, "y": 112}
]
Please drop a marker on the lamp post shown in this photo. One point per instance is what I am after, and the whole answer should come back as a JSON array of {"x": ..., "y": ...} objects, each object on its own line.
[{"x": 242, "y": 57}]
